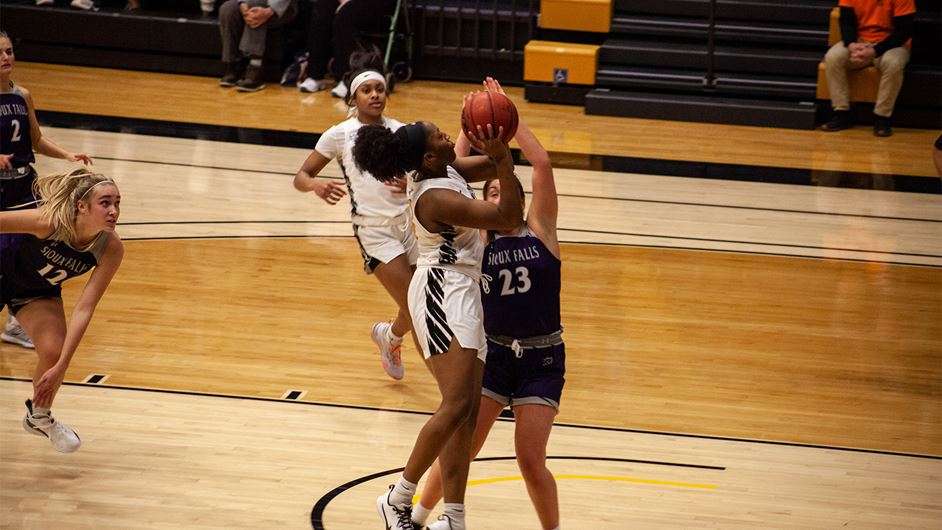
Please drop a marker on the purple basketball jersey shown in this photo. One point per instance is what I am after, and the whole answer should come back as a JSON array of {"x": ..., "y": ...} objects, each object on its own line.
[{"x": 520, "y": 287}]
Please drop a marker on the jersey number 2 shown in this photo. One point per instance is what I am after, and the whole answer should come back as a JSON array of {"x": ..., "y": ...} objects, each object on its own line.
[
  {"x": 507, "y": 279},
  {"x": 53, "y": 277},
  {"x": 16, "y": 131}
]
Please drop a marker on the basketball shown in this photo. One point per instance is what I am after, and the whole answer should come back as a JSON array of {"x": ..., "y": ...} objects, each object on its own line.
[{"x": 490, "y": 107}]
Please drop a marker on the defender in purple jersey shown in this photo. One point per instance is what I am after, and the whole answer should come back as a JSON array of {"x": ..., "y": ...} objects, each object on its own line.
[
  {"x": 20, "y": 135},
  {"x": 526, "y": 358},
  {"x": 70, "y": 234}
]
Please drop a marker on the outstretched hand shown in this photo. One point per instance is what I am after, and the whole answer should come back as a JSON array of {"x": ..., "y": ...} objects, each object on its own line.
[
  {"x": 493, "y": 85},
  {"x": 48, "y": 384},
  {"x": 80, "y": 157},
  {"x": 329, "y": 190}
]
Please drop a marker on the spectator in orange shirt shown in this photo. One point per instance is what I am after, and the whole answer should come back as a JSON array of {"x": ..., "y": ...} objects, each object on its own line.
[{"x": 874, "y": 32}]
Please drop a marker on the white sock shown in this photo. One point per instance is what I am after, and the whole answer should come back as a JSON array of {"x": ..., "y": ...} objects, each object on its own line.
[
  {"x": 420, "y": 514},
  {"x": 392, "y": 336},
  {"x": 403, "y": 492},
  {"x": 40, "y": 411},
  {"x": 455, "y": 513},
  {"x": 256, "y": 62}
]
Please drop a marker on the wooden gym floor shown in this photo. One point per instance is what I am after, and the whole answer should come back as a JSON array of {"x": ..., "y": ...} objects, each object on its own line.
[{"x": 740, "y": 354}]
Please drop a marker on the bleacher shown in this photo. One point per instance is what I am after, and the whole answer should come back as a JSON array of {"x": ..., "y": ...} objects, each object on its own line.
[{"x": 655, "y": 62}]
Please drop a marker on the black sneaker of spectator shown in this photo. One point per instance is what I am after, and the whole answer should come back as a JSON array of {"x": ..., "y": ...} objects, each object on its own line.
[
  {"x": 881, "y": 126},
  {"x": 252, "y": 81},
  {"x": 840, "y": 121},
  {"x": 231, "y": 77}
]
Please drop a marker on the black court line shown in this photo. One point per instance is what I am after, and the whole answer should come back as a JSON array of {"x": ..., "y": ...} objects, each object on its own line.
[
  {"x": 424, "y": 413},
  {"x": 576, "y": 196},
  {"x": 317, "y": 512},
  {"x": 633, "y": 245},
  {"x": 622, "y": 164},
  {"x": 581, "y": 230},
  {"x": 712, "y": 240}
]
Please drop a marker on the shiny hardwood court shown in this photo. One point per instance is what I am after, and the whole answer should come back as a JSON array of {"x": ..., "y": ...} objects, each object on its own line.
[
  {"x": 701, "y": 318},
  {"x": 561, "y": 128}
]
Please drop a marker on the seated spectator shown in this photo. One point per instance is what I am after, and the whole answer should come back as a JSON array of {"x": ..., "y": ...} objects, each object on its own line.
[
  {"x": 244, "y": 26},
  {"x": 873, "y": 32},
  {"x": 336, "y": 31}
]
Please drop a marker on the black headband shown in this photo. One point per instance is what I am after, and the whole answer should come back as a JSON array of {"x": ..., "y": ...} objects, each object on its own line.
[{"x": 413, "y": 136}]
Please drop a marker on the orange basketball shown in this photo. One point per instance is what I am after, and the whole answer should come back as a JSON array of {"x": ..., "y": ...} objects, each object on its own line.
[{"x": 490, "y": 107}]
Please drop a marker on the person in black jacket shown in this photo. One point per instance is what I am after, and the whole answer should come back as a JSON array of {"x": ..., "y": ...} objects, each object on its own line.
[{"x": 873, "y": 32}]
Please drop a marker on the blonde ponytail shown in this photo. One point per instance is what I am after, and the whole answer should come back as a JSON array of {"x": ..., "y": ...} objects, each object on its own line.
[{"x": 59, "y": 195}]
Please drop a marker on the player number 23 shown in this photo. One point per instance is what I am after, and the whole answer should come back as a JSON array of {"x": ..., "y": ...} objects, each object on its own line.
[{"x": 522, "y": 284}]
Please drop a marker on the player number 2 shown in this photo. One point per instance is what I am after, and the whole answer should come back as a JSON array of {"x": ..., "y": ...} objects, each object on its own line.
[
  {"x": 53, "y": 277},
  {"x": 16, "y": 131},
  {"x": 507, "y": 278}
]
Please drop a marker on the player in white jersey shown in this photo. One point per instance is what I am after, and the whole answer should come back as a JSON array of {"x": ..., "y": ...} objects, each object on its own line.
[
  {"x": 444, "y": 298},
  {"x": 380, "y": 212}
]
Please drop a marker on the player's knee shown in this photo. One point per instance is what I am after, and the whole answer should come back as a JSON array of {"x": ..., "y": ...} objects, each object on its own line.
[
  {"x": 532, "y": 462},
  {"x": 458, "y": 409}
]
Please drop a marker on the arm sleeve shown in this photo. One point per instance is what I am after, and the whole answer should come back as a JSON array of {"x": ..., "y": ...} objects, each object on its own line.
[
  {"x": 902, "y": 32},
  {"x": 848, "y": 25}
]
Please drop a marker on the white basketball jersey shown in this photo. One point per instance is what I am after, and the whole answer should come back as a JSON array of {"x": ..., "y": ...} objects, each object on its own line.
[
  {"x": 372, "y": 203},
  {"x": 457, "y": 248}
]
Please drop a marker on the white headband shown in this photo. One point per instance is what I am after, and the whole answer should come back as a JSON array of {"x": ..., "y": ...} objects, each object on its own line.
[
  {"x": 93, "y": 186},
  {"x": 368, "y": 75}
]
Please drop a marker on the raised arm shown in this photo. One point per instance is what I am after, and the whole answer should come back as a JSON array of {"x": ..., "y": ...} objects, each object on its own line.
[
  {"x": 438, "y": 207},
  {"x": 81, "y": 315},
  {"x": 544, "y": 205}
]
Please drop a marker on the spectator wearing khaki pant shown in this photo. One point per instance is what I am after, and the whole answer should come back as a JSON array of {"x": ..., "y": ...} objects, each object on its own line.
[{"x": 873, "y": 32}]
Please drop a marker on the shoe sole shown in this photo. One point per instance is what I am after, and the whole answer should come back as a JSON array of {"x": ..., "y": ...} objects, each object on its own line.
[
  {"x": 14, "y": 340},
  {"x": 226, "y": 84},
  {"x": 254, "y": 89}
]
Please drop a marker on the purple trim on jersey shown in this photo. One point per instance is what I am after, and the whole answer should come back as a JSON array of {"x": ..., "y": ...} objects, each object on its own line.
[{"x": 520, "y": 287}]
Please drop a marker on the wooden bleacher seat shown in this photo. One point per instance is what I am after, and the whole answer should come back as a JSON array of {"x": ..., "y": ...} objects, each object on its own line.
[
  {"x": 863, "y": 83},
  {"x": 576, "y": 15}
]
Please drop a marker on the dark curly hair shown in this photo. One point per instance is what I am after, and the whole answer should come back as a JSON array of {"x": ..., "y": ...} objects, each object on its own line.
[{"x": 381, "y": 153}]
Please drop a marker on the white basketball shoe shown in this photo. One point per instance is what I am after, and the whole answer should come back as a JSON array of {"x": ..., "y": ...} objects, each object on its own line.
[
  {"x": 62, "y": 436},
  {"x": 395, "y": 516},
  {"x": 14, "y": 333},
  {"x": 390, "y": 350}
]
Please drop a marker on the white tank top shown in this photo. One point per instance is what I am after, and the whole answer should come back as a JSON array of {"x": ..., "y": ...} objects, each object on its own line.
[
  {"x": 371, "y": 202},
  {"x": 457, "y": 248}
]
